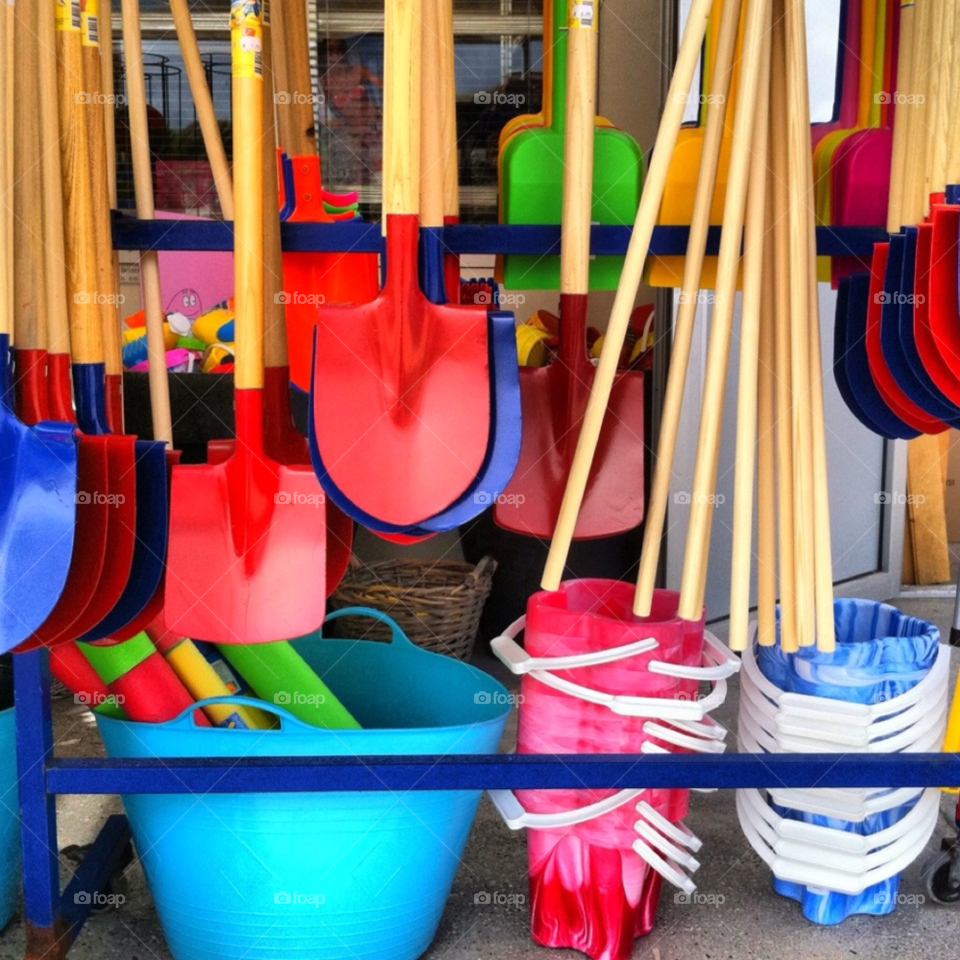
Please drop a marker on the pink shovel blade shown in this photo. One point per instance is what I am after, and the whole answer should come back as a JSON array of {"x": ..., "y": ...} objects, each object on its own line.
[{"x": 401, "y": 394}]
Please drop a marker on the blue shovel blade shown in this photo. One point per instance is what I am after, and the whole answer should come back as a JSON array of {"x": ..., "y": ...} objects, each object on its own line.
[{"x": 38, "y": 489}]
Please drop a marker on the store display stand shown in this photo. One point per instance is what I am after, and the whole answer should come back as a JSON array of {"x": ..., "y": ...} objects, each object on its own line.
[{"x": 53, "y": 919}]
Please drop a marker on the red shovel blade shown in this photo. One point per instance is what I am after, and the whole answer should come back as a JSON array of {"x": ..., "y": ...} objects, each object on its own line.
[
  {"x": 944, "y": 309},
  {"x": 247, "y": 545},
  {"x": 401, "y": 394},
  {"x": 285, "y": 444},
  {"x": 553, "y": 400},
  {"x": 937, "y": 365},
  {"x": 887, "y": 386},
  {"x": 89, "y": 546},
  {"x": 121, "y": 500}
]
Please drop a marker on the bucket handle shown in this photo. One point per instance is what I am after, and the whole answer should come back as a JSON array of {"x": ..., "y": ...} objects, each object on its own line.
[
  {"x": 518, "y": 661},
  {"x": 186, "y": 717},
  {"x": 396, "y": 631}
]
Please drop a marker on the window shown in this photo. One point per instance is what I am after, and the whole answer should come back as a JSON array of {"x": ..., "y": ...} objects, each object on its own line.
[{"x": 499, "y": 50}]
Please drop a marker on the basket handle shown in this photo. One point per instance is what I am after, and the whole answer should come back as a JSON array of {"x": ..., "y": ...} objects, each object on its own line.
[
  {"x": 186, "y": 718},
  {"x": 396, "y": 631}
]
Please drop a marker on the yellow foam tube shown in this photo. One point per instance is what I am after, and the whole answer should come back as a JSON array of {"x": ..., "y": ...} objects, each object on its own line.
[
  {"x": 199, "y": 677},
  {"x": 170, "y": 337}
]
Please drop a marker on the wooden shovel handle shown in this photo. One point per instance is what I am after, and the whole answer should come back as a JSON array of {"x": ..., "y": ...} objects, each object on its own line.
[
  {"x": 143, "y": 190},
  {"x": 28, "y": 187},
  {"x": 298, "y": 105},
  {"x": 692, "y": 584},
  {"x": 246, "y": 32},
  {"x": 901, "y": 116},
  {"x": 401, "y": 107},
  {"x": 687, "y": 59},
  {"x": 683, "y": 326},
  {"x": 57, "y": 317},
  {"x": 274, "y": 312},
  {"x": 6, "y": 177},
  {"x": 578, "y": 141},
  {"x": 431, "y": 145},
  {"x": 86, "y": 342},
  {"x": 448, "y": 110},
  {"x": 109, "y": 107},
  {"x": 107, "y": 291},
  {"x": 747, "y": 388},
  {"x": 203, "y": 104}
]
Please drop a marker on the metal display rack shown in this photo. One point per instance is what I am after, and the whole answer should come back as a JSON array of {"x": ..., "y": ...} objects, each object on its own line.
[{"x": 53, "y": 919}]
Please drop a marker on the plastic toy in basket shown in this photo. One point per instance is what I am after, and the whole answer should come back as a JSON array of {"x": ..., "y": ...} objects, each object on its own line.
[
  {"x": 597, "y": 679},
  {"x": 884, "y": 690}
]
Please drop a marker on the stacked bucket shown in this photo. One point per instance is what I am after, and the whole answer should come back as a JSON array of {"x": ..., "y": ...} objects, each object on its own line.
[
  {"x": 884, "y": 690},
  {"x": 597, "y": 679}
]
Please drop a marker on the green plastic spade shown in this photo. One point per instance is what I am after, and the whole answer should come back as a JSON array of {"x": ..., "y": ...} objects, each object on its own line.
[{"x": 531, "y": 183}]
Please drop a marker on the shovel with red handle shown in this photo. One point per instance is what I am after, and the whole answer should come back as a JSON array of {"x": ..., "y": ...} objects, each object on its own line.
[
  {"x": 247, "y": 536},
  {"x": 400, "y": 384},
  {"x": 283, "y": 442}
]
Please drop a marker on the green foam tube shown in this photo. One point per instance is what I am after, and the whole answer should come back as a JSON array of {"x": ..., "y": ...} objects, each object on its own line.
[{"x": 278, "y": 674}]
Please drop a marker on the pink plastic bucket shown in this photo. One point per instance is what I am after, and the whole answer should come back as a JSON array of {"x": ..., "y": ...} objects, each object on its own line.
[{"x": 589, "y": 889}]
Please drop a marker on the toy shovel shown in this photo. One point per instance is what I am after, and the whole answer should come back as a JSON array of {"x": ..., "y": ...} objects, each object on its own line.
[
  {"x": 400, "y": 384},
  {"x": 531, "y": 173},
  {"x": 247, "y": 536},
  {"x": 38, "y": 464},
  {"x": 283, "y": 442},
  {"x": 554, "y": 397}
]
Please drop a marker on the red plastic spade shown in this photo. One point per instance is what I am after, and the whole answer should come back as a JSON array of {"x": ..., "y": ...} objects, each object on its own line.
[
  {"x": 247, "y": 536},
  {"x": 887, "y": 386},
  {"x": 316, "y": 277},
  {"x": 283, "y": 442},
  {"x": 401, "y": 386}
]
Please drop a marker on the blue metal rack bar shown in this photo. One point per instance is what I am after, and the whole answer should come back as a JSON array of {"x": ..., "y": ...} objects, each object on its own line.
[
  {"x": 361, "y": 237},
  {"x": 526, "y": 772}
]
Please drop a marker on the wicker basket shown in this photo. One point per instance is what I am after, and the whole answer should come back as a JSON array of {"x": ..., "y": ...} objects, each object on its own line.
[{"x": 437, "y": 602}]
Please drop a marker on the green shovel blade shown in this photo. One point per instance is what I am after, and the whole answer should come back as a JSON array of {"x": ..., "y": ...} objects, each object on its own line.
[{"x": 532, "y": 192}]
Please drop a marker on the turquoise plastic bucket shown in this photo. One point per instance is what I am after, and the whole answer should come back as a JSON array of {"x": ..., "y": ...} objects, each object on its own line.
[
  {"x": 317, "y": 876},
  {"x": 9, "y": 819}
]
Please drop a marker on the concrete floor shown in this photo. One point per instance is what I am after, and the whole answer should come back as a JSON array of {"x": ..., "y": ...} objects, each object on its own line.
[{"x": 752, "y": 923}]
